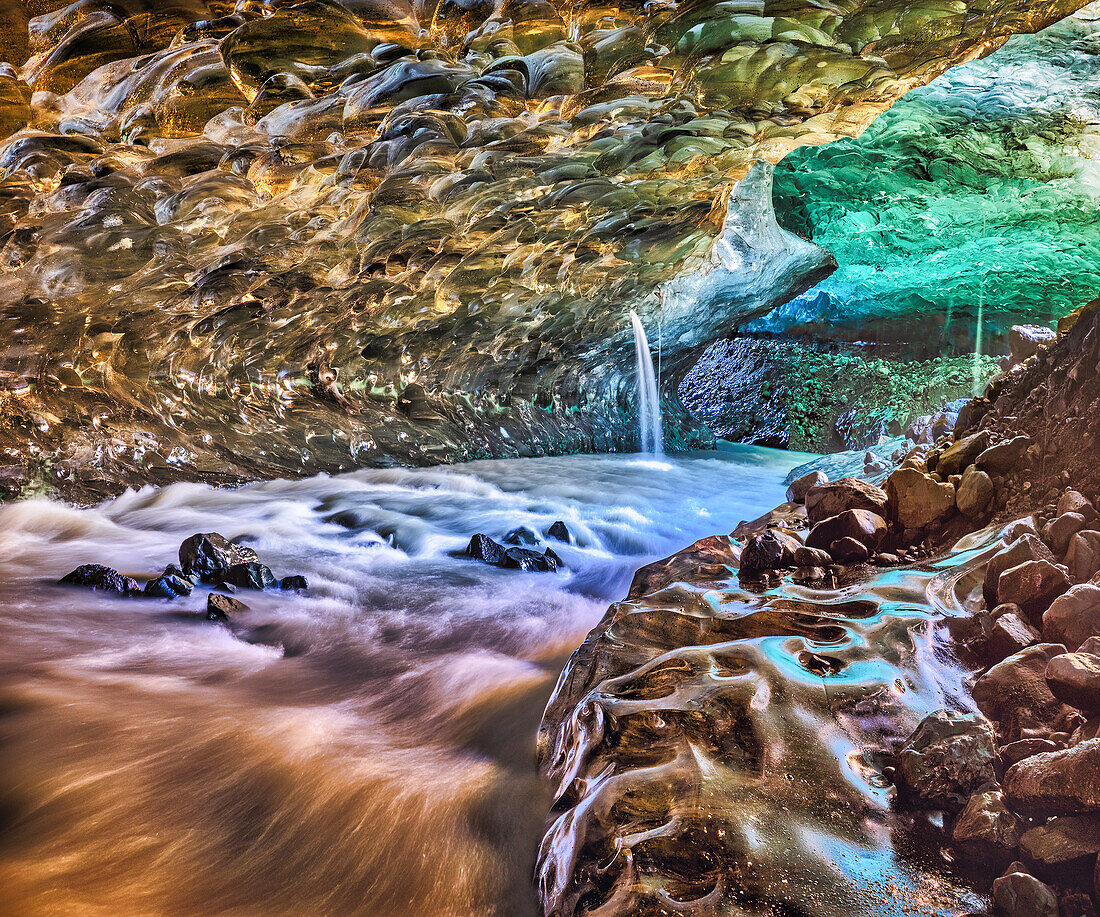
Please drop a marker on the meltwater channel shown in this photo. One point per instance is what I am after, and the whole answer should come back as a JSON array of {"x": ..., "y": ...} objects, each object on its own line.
[{"x": 364, "y": 748}]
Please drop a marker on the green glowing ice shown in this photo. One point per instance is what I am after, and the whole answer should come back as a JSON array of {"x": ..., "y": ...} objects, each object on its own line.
[{"x": 979, "y": 190}]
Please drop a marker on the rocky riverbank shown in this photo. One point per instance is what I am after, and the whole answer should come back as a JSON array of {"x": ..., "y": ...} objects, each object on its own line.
[{"x": 742, "y": 721}]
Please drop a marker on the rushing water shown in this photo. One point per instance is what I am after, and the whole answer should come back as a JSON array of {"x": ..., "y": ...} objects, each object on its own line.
[{"x": 364, "y": 748}]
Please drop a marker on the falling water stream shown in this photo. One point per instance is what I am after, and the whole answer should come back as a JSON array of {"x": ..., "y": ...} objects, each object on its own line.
[
  {"x": 651, "y": 432},
  {"x": 364, "y": 748}
]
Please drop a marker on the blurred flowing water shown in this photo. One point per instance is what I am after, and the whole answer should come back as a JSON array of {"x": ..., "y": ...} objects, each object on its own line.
[{"x": 367, "y": 747}]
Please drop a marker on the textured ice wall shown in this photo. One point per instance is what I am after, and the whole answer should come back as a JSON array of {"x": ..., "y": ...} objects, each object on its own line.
[{"x": 278, "y": 237}]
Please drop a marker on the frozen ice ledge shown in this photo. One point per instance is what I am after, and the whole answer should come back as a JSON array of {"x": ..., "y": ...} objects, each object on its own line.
[{"x": 276, "y": 238}]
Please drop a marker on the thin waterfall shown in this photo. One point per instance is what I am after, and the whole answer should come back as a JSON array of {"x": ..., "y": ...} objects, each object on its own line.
[{"x": 652, "y": 438}]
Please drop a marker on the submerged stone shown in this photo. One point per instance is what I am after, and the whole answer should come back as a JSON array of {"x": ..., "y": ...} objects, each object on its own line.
[
  {"x": 210, "y": 555},
  {"x": 101, "y": 579}
]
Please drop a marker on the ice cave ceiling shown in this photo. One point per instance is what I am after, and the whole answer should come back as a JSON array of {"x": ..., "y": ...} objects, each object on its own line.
[
  {"x": 275, "y": 237},
  {"x": 979, "y": 190}
]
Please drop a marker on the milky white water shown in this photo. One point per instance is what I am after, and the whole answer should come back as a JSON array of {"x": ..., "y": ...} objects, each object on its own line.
[{"x": 366, "y": 748}]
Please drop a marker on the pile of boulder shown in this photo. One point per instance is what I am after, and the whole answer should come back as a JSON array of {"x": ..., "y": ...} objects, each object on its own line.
[
  {"x": 208, "y": 559},
  {"x": 937, "y": 493},
  {"x": 519, "y": 550},
  {"x": 1021, "y": 781}
]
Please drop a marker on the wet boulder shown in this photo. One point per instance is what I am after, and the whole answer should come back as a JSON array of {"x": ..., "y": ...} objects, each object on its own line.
[
  {"x": 799, "y": 487},
  {"x": 1019, "y": 894},
  {"x": 1066, "y": 844},
  {"x": 859, "y": 525},
  {"x": 1083, "y": 556},
  {"x": 522, "y": 536},
  {"x": 1058, "y": 532},
  {"x": 1056, "y": 783},
  {"x": 206, "y": 555},
  {"x": 1014, "y": 693},
  {"x": 219, "y": 608},
  {"x": 101, "y": 579},
  {"x": 770, "y": 550},
  {"x": 1009, "y": 635},
  {"x": 917, "y": 499},
  {"x": 974, "y": 494},
  {"x": 559, "y": 531},
  {"x": 1033, "y": 585},
  {"x": 1003, "y": 457},
  {"x": 835, "y": 497},
  {"x": 167, "y": 586},
  {"x": 294, "y": 583},
  {"x": 849, "y": 551},
  {"x": 1024, "y": 341},
  {"x": 1026, "y": 547},
  {"x": 947, "y": 759},
  {"x": 251, "y": 575},
  {"x": 811, "y": 557},
  {"x": 1074, "y": 616},
  {"x": 483, "y": 548},
  {"x": 962, "y": 453},
  {"x": 1073, "y": 501},
  {"x": 1074, "y": 678},
  {"x": 531, "y": 561},
  {"x": 986, "y": 828}
]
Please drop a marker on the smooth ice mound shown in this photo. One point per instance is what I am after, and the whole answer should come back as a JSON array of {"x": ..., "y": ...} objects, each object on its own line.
[{"x": 268, "y": 238}]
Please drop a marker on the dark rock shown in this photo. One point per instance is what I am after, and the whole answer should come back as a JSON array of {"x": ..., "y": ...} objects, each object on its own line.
[
  {"x": 986, "y": 827},
  {"x": 248, "y": 576},
  {"x": 812, "y": 557},
  {"x": 948, "y": 758},
  {"x": 769, "y": 550},
  {"x": 101, "y": 579},
  {"x": 971, "y": 413},
  {"x": 861, "y": 525},
  {"x": 1010, "y": 634},
  {"x": 1019, "y": 528},
  {"x": 1058, "y": 532},
  {"x": 1032, "y": 585},
  {"x": 483, "y": 548},
  {"x": 1063, "y": 843},
  {"x": 522, "y": 536},
  {"x": 1074, "y": 678},
  {"x": 207, "y": 555},
  {"x": 1083, "y": 556},
  {"x": 220, "y": 607},
  {"x": 1073, "y": 617},
  {"x": 560, "y": 532},
  {"x": 296, "y": 583},
  {"x": 167, "y": 586},
  {"x": 1019, "y": 894},
  {"x": 1024, "y": 341},
  {"x": 809, "y": 574},
  {"x": 1024, "y": 748},
  {"x": 1014, "y": 693},
  {"x": 1025, "y": 548},
  {"x": 1073, "y": 501},
  {"x": 1056, "y": 783},
  {"x": 531, "y": 561},
  {"x": 796, "y": 493},
  {"x": 963, "y": 452},
  {"x": 849, "y": 551},
  {"x": 917, "y": 499},
  {"x": 974, "y": 494},
  {"x": 1003, "y": 457},
  {"x": 835, "y": 497},
  {"x": 173, "y": 570}
]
